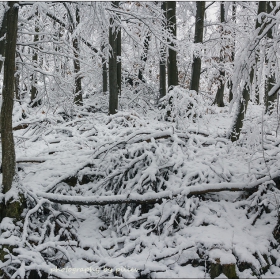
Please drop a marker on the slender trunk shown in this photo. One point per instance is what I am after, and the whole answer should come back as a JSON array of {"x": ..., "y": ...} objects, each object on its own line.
[
  {"x": 219, "y": 99},
  {"x": 172, "y": 55},
  {"x": 240, "y": 114},
  {"x": 233, "y": 49},
  {"x": 162, "y": 63},
  {"x": 242, "y": 105},
  {"x": 271, "y": 79},
  {"x": 113, "y": 68},
  {"x": 119, "y": 62},
  {"x": 3, "y": 41},
  {"x": 78, "y": 99},
  {"x": 34, "y": 90},
  {"x": 261, "y": 9},
  {"x": 198, "y": 38},
  {"x": 17, "y": 84},
  {"x": 104, "y": 73},
  {"x": 144, "y": 57}
]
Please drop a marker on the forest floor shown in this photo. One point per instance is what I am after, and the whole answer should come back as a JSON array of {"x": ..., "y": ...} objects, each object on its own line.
[{"x": 198, "y": 205}]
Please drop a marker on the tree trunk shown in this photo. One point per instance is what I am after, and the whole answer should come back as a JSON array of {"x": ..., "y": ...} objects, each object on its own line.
[
  {"x": 240, "y": 114},
  {"x": 104, "y": 73},
  {"x": 11, "y": 208},
  {"x": 3, "y": 31},
  {"x": 78, "y": 99},
  {"x": 198, "y": 38},
  {"x": 144, "y": 57},
  {"x": 162, "y": 63},
  {"x": 119, "y": 56},
  {"x": 233, "y": 49},
  {"x": 172, "y": 55},
  {"x": 271, "y": 79},
  {"x": 261, "y": 9},
  {"x": 219, "y": 99},
  {"x": 8, "y": 149},
  {"x": 242, "y": 105},
  {"x": 34, "y": 90},
  {"x": 17, "y": 89},
  {"x": 113, "y": 68}
]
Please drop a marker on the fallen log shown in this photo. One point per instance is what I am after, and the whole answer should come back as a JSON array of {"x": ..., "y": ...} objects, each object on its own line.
[{"x": 152, "y": 197}]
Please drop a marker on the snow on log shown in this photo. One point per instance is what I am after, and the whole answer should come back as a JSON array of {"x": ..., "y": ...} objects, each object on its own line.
[{"x": 152, "y": 197}]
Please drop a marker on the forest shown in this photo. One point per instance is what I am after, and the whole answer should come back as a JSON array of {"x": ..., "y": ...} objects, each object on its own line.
[{"x": 140, "y": 139}]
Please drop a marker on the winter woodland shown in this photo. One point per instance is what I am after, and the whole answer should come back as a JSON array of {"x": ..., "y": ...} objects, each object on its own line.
[{"x": 140, "y": 139}]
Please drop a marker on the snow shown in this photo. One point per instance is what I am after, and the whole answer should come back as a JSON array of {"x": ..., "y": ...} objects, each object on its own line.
[{"x": 130, "y": 158}]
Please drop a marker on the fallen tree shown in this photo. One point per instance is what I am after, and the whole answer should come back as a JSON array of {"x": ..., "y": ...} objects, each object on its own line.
[{"x": 155, "y": 197}]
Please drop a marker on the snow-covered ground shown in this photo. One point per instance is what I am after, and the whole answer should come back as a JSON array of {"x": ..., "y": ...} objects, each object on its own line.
[{"x": 191, "y": 231}]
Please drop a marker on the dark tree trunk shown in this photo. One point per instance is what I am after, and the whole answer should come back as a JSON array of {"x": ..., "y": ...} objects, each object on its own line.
[
  {"x": 12, "y": 209},
  {"x": 34, "y": 90},
  {"x": 162, "y": 63},
  {"x": 172, "y": 55},
  {"x": 219, "y": 99},
  {"x": 119, "y": 56},
  {"x": 104, "y": 72},
  {"x": 198, "y": 38},
  {"x": 233, "y": 49},
  {"x": 261, "y": 9},
  {"x": 271, "y": 79},
  {"x": 78, "y": 99},
  {"x": 17, "y": 84},
  {"x": 8, "y": 149},
  {"x": 114, "y": 89},
  {"x": 3, "y": 31},
  {"x": 144, "y": 57}
]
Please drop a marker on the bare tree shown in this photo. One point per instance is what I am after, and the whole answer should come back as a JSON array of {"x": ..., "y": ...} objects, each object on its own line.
[
  {"x": 243, "y": 100},
  {"x": 261, "y": 9},
  {"x": 34, "y": 90},
  {"x": 3, "y": 31},
  {"x": 114, "y": 82},
  {"x": 144, "y": 57},
  {"x": 172, "y": 54},
  {"x": 198, "y": 38},
  {"x": 12, "y": 209},
  {"x": 78, "y": 99},
  {"x": 219, "y": 99},
  {"x": 233, "y": 49},
  {"x": 162, "y": 63},
  {"x": 271, "y": 79}
]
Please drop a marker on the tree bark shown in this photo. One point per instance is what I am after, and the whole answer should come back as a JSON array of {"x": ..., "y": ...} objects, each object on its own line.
[
  {"x": 3, "y": 31},
  {"x": 198, "y": 38},
  {"x": 9, "y": 208},
  {"x": 78, "y": 98},
  {"x": 172, "y": 55},
  {"x": 271, "y": 79},
  {"x": 114, "y": 89},
  {"x": 8, "y": 148},
  {"x": 104, "y": 73},
  {"x": 144, "y": 57},
  {"x": 119, "y": 56},
  {"x": 162, "y": 63},
  {"x": 240, "y": 113},
  {"x": 34, "y": 90},
  {"x": 261, "y": 9},
  {"x": 233, "y": 49},
  {"x": 219, "y": 99}
]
